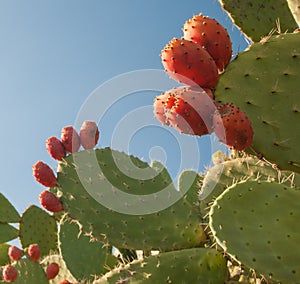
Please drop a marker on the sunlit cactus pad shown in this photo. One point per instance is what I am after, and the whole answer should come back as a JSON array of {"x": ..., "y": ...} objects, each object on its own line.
[
  {"x": 258, "y": 224},
  {"x": 263, "y": 82},
  {"x": 186, "y": 266},
  {"x": 38, "y": 227},
  {"x": 107, "y": 174},
  {"x": 257, "y": 18}
]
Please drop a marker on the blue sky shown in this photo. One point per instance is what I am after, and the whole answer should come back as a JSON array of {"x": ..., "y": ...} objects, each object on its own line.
[{"x": 54, "y": 54}]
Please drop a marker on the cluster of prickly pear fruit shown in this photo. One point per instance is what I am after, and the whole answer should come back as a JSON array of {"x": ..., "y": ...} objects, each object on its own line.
[
  {"x": 235, "y": 223},
  {"x": 197, "y": 60}
]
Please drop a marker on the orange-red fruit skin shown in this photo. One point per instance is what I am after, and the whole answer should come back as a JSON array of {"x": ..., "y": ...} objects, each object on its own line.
[
  {"x": 89, "y": 134},
  {"x": 233, "y": 127},
  {"x": 52, "y": 270},
  {"x": 14, "y": 253},
  {"x": 212, "y": 36},
  {"x": 34, "y": 252},
  {"x": 50, "y": 201},
  {"x": 187, "y": 109},
  {"x": 190, "y": 64},
  {"x": 43, "y": 174},
  {"x": 55, "y": 148},
  {"x": 9, "y": 273},
  {"x": 70, "y": 139}
]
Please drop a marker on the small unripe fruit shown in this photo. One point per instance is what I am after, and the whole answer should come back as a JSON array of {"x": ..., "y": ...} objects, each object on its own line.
[
  {"x": 9, "y": 273},
  {"x": 50, "y": 201},
  {"x": 55, "y": 148},
  {"x": 52, "y": 270},
  {"x": 43, "y": 174},
  {"x": 34, "y": 252},
  {"x": 14, "y": 253},
  {"x": 89, "y": 134},
  {"x": 70, "y": 139}
]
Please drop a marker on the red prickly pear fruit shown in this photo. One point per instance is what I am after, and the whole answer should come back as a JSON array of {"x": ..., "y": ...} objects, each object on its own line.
[
  {"x": 43, "y": 174},
  {"x": 34, "y": 252},
  {"x": 50, "y": 201},
  {"x": 65, "y": 282},
  {"x": 212, "y": 36},
  {"x": 55, "y": 148},
  {"x": 89, "y": 134},
  {"x": 70, "y": 139},
  {"x": 52, "y": 270},
  {"x": 161, "y": 104},
  {"x": 14, "y": 253},
  {"x": 233, "y": 127},
  {"x": 9, "y": 273},
  {"x": 190, "y": 64},
  {"x": 190, "y": 110}
]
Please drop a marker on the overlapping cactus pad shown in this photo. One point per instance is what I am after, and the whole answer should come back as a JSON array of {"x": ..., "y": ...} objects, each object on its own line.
[
  {"x": 83, "y": 257},
  {"x": 197, "y": 265},
  {"x": 233, "y": 170},
  {"x": 104, "y": 172},
  {"x": 258, "y": 18},
  {"x": 263, "y": 82},
  {"x": 258, "y": 224}
]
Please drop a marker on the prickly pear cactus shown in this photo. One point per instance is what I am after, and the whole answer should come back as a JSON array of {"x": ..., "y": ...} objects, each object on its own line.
[
  {"x": 232, "y": 170},
  {"x": 258, "y": 18},
  {"x": 198, "y": 265},
  {"x": 8, "y": 213},
  {"x": 235, "y": 223},
  {"x": 30, "y": 272},
  {"x": 175, "y": 227},
  {"x": 83, "y": 257},
  {"x": 263, "y": 82},
  {"x": 257, "y": 224},
  {"x": 38, "y": 227},
  {"x": 4, "y": 259}
]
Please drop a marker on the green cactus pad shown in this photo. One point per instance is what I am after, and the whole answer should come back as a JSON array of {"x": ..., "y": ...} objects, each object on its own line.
[
  {"x": 224, "y": 174},
  {"x": 258, "y": 18},
  {"x": 264, "y": 83},
  {"x": 176, "y": 227},
  {"x": 8, "y": 213},
  {"x": 294, "y": 6},
  {"x": 7, "y": 232},
  {"x": 185, "y": 180},
  {"x": 30, "y": 272},
  {"x": 37, "y": 226},
  {"x": 4, "y": 258},
  {"x": 258, "y": 224},
  {"x": 83, "y": 257},
  {"x": 63, "y": 274},
  {"x": 197, "y": 265}
]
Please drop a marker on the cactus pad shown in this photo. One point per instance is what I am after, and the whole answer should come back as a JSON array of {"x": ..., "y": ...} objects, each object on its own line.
[
  {"x": 83, "y": 257},
  {"x": 4, "y": 259},
  {"x": 258, "y": 224},
  {"x": 8, "y": 213},
  {"x": 257, "y": 18},
  {"x": 37, "y": 226},
  {"x": 7, "y": 232},
  {"x": 186, "y": 266},
  {"x": 30, "y": 272},
  {"x": 263, "y": 82},
  {"x": 224, "y": 174},
  {"x": 175, "y": 227}
]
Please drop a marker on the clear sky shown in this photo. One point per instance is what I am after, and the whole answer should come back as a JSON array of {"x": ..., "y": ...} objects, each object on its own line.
[{"x": 54, "y": 54}]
